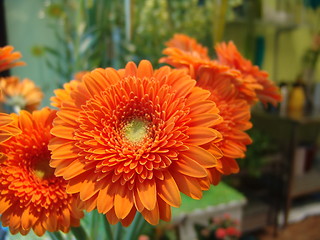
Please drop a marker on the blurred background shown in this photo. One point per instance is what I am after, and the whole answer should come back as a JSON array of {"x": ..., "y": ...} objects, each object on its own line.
[{"x": 59, "y": 38}]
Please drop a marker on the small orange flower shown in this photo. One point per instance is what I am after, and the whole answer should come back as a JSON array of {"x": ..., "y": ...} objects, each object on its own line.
[
  {"x": 188, "y": 44},
  {"x": 19, "y": 95},
  {"x": 31, "y": 196},
  {"x": 63, "y": 94},
  {"x": 7, "y": 129},
  {"x": 67, "y": 89},
  {"x": 236, "y": 119},
  {"x": 184, "y": 52},
  {"x": 268, "y": 92},
  {"x": 194, "y": 60},
  {"x": 131, "y": 140},
  {"x": 8, "y": 59}
]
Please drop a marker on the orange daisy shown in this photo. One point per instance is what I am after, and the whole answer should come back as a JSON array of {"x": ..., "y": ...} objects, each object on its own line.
[
  {"x": 67, "y": 89},
  {"x": 185, "y": 52},
  {"x": 19, "y": 95},
  {"x": 131, "y": 140},
  {"x": 31, "y": 197},
  {"x": 7, "y": 129},
  {"x": 268, "y": 92},
  {"x": 8, "y": 59},
  {"x": 236, "y": 120}
]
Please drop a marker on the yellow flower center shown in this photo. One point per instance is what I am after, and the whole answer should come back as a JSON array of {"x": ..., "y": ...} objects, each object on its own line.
[
  {"x": 42, "y": 170},
  {"x": 135, "y": 130}
]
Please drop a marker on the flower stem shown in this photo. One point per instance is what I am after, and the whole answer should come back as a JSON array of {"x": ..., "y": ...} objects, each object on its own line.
[
  {"x": 107, "y": 229},
  {"x": 55, "y": 235},
  {"x": 119, "y": 230},
  {"x": 135, "y": 229},
  {"x": 79, "y": 233}
]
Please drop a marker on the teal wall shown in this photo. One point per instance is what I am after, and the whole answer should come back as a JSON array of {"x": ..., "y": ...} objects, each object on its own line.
[{"x": 27, "y": 27}]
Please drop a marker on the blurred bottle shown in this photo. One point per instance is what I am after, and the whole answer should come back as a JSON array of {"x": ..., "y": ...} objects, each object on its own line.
[{"x": 297, "y": 100}]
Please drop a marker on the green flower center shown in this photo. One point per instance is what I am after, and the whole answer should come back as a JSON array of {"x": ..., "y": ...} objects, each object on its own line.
[{"x": 136, "y": 130}]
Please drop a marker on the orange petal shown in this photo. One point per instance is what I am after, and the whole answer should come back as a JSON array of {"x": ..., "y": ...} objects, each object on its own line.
[
  {"x": 205, "y": 120},
  {"x": 131, "y": 69},
  {"x": 188, "y": 185},
  {"x": 88, "y": 188},
  {"x": 201, "y": 135},
  {"x": 65, "y": 217},
  {"x": 165, "y": 210},
  {"x": 189, "y": 167},
  {"x": 112, "y": 217},
  {"x": 63, "y": 132},
  {"x": 39, "y": 229},
  {"x": 25, "y": 219},
  {"x": 4, "y": 204},
  {"x": 205, "y": 107},
  {"x": 147, "y": 194},
  {"x": 137, "y": 201},
  {"x": 202, "y": 156},
  {"x": 168, "y": 190},
  {"x": 65, "y": 151},
  {"x": 25, "y": 120},
  {"x": 144, "y": 69},
  {"x": 152, "y": 216},
  {"x": 128, "y": 219},
  {"x": 123, "y": 202},
  {"x": 104, "y": 201},
  {"x": 68, "y": 115},
  {"x": 91, "y": 203}
]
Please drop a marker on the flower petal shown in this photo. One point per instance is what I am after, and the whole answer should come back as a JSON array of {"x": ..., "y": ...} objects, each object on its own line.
[
  {"x": 147, "y": 194},
  {"x": 168, "y": 190},
  {"x": 200, "y": 155}
]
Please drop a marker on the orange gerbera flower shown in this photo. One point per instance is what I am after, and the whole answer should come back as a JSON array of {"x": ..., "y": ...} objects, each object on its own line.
[
  {"x": 67, "y": 89},
  {"x": 185, "y": 52},
  {"x": 236, "y": 119},
  {"x": 268, "y": 92},
  {"x": 7, "y": 129},
  {"x": 18, "y": 95},
  {"x": 131, "y": 140},
  {"x": 31, "y": 197},
  {"x": 8, "y": 59}
]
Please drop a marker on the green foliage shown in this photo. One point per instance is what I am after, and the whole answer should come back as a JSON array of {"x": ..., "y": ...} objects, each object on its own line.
[
  {"x": 101, "y": 33},
  {"x": 256, "y": 153}
]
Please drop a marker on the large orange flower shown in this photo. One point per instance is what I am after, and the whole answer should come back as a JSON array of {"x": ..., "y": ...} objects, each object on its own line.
[
  {"x": 8, "y": 59},
  {"x": 268, "y": 92},
  {"x": 236, "y": 120},
  {"x": 31, "y": 197},
  {"x": 131, "y": 140},
  {"x": 18, "y": 95}
]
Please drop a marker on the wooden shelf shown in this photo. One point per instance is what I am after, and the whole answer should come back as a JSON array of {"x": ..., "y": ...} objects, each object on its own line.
[{"x": 306, "y": 184}]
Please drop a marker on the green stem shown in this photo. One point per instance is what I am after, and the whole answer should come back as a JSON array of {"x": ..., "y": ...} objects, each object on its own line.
[
  {"x": 79, "y": 233},
  {"x": 55, "y": 235},
  {"x": 119, "y": 230},
  {"x": 135, "y": 229},
  {"x": 95, "y": 226},
  {"x": 107, "y": 229}
]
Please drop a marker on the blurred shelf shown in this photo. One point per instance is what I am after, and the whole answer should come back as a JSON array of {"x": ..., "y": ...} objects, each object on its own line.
[{"x": 306, "y": 184}]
